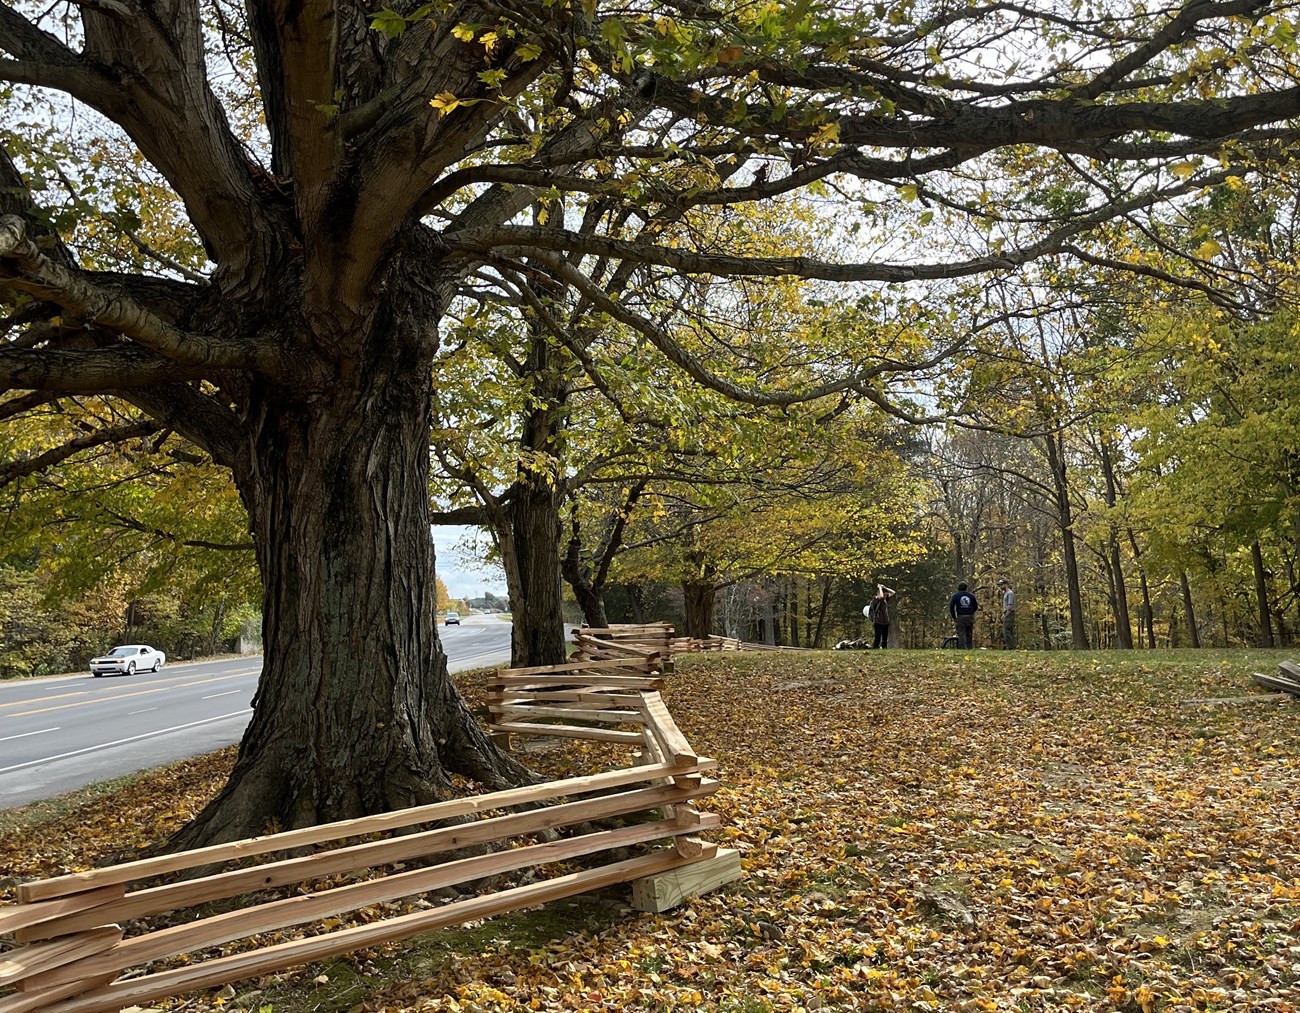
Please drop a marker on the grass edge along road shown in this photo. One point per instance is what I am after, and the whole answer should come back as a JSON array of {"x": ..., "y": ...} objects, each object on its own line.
[{"x": 920, "y": 830}]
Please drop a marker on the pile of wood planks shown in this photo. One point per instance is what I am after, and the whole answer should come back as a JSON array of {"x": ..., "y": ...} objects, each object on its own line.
[
  {"x": 1286, "y": 681},
  {"x": 643, "y": 640}
]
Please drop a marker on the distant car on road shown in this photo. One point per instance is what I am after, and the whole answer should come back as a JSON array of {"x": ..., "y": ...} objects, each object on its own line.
[
  {"x": 127, "y": 660},
  {"x": 453, "y": 619}
]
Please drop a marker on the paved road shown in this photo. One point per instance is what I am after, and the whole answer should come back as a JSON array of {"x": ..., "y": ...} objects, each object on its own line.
[{"x": 63, "y": 732}]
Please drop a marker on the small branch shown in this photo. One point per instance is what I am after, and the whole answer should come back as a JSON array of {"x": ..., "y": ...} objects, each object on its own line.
[{"x": 15, "y": 470}]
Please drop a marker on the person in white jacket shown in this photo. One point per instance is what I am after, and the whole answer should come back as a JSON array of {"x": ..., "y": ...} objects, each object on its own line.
[{"x": 1008, "y": 615}]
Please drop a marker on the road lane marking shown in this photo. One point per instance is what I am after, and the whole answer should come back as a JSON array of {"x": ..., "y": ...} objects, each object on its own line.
[
  {"x": 123, "y": 742},
  {"x": 132, "y": 714},
  {"x": 98, "y": 700},
  {"x": 42, "y": 699},
  {"x": 25, "y": 734},
  {"x": 229, "y": 692}
]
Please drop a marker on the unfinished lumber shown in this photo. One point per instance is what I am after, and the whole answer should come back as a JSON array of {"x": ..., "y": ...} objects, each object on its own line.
[
  {"x": 1274, "y": 682},
  {"x": 567, "y": 731},
  {"x": 79, "y": 882},
  {"x": 19, "y": 918},
  {"x": 1230, "y": 701},
  {"x": 188, "y": 893},
  {"x": 619, "y": 681},
  {"x": 618, "y": 717},
  {"x": 669, "y": 736},
  {"x": 307, "y": 908},
  {"x": 26, "y": 962},
  {"x": 134, "y": 991},
  {"x": 572, "y": 666},
  {"x": 665, "y": 890},
  {"x": 1289, "y": 670}
]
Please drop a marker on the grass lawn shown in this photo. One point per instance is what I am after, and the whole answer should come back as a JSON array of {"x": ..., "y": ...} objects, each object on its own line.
[{"x": 921, "y": 830}]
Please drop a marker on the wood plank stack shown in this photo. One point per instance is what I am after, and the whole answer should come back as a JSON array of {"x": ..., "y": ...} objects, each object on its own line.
[
  {"x": 1286, "y": 681},
  {"x": 575, "y": 700},
  {"x": 630, "y": 640},
  {"x": 73, "y": 956}
]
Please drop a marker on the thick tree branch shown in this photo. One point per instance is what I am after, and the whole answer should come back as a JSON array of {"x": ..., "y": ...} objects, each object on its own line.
[
  {"x": 24, "y": 268},
  {"x": 92, "y": 371}
]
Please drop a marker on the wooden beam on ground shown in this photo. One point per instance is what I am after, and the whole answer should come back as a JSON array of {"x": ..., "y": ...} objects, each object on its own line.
[
  {"x": 1274, "y": 683},
  {"x": 1227, "y": 701},
  {"x": 666, "y": 890}
]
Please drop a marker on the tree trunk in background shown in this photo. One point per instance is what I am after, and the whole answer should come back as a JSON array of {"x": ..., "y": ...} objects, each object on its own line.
[
  {"x": 1123, "y": 625},
  {"x": 636, "y": 595},
  {"x": 581, "y": 580},
  {"x": 821, "y": 613},
  {"x": 1065, "y": 520},
  {"x": 1261, "y": 596},
  {"x": 355, "y": 712},
  {"x": 1193, "y": 635},
  {"x": 536, "y": 591},
  {"x": 1148, "y": 619},
  {"x": 699, "y": 598}
]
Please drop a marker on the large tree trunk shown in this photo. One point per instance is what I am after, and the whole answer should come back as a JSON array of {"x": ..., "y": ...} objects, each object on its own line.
[
  {"x": 699, "y": 601},
  {"x": 533, "y": 577},
  {"x": 355, "y": 712}
]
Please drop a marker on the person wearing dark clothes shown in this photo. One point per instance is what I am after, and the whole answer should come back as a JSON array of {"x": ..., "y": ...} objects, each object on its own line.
[
  {"x": 962, "y": 607},
  {"x": 878, "y": 612}
]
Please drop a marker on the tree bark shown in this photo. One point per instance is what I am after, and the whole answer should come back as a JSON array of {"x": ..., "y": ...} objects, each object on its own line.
[
  {"x": 1261, "y": 596},
  {"x": 821, "y": 612},
  {"x": 533, "y": 580},
  {"x": 1065, "y": 520},
  {"x": 699, "y": 596},
  {"x": 1193, "y": 634},
  {"x": 355, "y": 712},
  {"x": 1147, "y": 620},
  {"x": 1123, "y": 624}
]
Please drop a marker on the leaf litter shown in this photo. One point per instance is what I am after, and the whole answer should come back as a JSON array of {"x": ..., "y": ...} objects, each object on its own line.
[{"x": 919, "y": 831}]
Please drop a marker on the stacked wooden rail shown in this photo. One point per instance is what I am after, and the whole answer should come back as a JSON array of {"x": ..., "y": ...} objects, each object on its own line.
[
  {"x": 644, "y": 640},
  {"x": 1286, "y": 681},
  {"x": 74, "y": 957}
]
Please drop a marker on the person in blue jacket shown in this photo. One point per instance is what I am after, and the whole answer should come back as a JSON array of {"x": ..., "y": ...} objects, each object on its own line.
[{"x": 962, "y": 607}]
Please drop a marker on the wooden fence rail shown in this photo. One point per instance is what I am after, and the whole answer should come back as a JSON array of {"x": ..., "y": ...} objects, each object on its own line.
[{"x": 73, "y": 953}]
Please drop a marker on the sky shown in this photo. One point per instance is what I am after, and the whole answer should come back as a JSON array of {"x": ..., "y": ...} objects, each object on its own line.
[{"x": 460, "y": 551}]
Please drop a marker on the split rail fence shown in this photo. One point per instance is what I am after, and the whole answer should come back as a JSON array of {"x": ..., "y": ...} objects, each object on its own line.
[
  {"x": 73, "y": 955},
  {"x": 643, "y": 640}
]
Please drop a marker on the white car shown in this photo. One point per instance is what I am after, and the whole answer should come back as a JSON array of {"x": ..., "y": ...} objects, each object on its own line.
[
  {"x": 453, "y": 618},
  {"x": 127, "y": 660}
]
